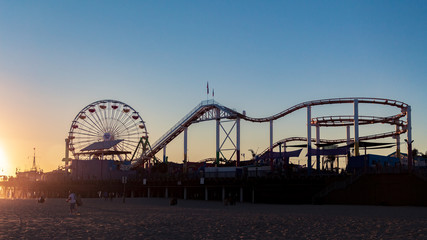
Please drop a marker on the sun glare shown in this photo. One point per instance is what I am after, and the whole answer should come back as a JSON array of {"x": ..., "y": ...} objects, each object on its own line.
[{"x": 4, "y": 165}]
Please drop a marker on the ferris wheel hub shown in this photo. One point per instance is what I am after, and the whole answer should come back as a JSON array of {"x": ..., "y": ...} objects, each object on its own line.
[{"x": 107, "y": 137}]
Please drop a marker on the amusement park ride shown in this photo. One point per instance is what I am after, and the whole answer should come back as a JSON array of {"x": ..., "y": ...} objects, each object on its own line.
[
  {"x": 112, "y": 130},
  {"x": 106, "y": 130}
]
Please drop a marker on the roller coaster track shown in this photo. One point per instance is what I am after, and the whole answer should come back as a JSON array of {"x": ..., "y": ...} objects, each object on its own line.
[
  {"x": 211, "y": 110},
  {"x": 294, "y": 108},
  {"x": 206, "y": 110},
  {"x": 334, "y": 141},
  {"x": 339, "y": 121}
]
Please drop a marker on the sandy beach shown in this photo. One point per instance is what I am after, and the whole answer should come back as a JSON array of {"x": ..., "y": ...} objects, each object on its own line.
[{"x": 154, "y": 218}]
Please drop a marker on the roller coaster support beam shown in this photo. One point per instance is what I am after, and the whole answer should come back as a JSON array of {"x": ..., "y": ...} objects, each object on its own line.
[
  {"x": 409, "y": 133},
  {"x": 308, "y": 140},
  {"x": 164, "y": 155},
  {"x": 348, "y": 143},
  {"x": 185, "y": 149},
  {"x": 397, "y": 142},
  {"x": 217, "y": 135},
  {"x": 348, "y": 136},
  {"x": 284, "y": 153},
  {"x": 356, "y": 127},
  {"x": 271, "y": 135},
  {"x": 237, "y": 142},
  {"x": 317, "y": 143},
  {"x": 271, "y": 144}
]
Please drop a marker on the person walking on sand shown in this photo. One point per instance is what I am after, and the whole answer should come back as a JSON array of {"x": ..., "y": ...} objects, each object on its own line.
[{"x": 72, "y": 201}]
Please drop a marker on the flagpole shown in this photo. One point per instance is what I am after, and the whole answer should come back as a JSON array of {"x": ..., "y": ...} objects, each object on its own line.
[{"x": 207, "y": 92}]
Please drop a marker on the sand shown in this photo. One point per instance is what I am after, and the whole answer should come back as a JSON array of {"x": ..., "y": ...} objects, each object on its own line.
[{"x": 154, "y": 218}]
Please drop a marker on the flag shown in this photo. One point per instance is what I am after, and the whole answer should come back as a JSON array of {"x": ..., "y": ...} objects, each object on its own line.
[{"x": 207, "y": 87}]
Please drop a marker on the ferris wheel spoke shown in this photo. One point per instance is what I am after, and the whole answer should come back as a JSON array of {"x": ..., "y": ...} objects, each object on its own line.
[
  {"x": 83, "y": 144},
  {"x": 99, "y": 117},
  {"x": 119, "y": 121},
  {"x": 122, "y": 128},
  {"x": 105, "y": 118},
  {"x": 131, "y": 125},
  {"x": 119, "y": 128},
  {"x": 136, "y": 130},
  {"x": 124, "y": 117},
  {"x": 112, "y": 121},
  {"x": 87, "y": 127},
  {"x": 129, "y": 138},
  {"x": 87, "y": 131},
  {"x": 83, "y": 141},
  {"x": 108, "y": 118},
  {"x": 129, "y": 146},
  {"x": 134, "y": 135},
  {"x": 127, "y": 123},
  {"x": 97, "y": 121},
  {"x": 121, "y": 113},
  {"x": 130, "y": 143},
  {"x": 132, "y": 138},
  {"x": 128, "y": 133},
  {"x": 107, "y": 125},
  {"x": 129, "y": 118},
  {"x": 91, "y": 125},
  {"x": 117, "y": 135},
  {"x": 117, "y": 113},
  {"x": 113, "y": 113},
  {"x": 101, "y": 122},
  {"x": 94, "y": 122},
  {"x": 126, "y": 147},
  {"x": 86, "y": 135},
  {"x": 82, "y": 137},
  {"x": 115, "y": 130},
  {"x": 114, "y": 124},
  {"x": 116, "y": 116}
]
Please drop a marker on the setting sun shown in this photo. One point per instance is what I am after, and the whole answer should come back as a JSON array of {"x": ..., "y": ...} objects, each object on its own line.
[{"x": 4, "y": 165}]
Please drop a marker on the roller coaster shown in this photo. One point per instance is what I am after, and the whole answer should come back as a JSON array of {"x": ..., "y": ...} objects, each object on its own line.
[{"x": 211, "y": 110}]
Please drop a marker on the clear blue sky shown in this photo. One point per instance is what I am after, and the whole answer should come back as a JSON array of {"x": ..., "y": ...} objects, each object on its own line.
[{"x": 56, "y": 57}]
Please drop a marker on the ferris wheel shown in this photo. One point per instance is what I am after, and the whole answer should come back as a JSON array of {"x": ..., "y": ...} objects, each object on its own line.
[{"x": 106, "y": 129}]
